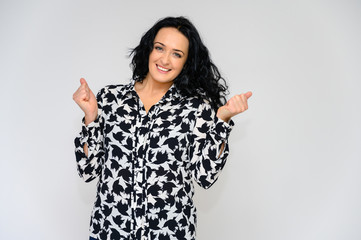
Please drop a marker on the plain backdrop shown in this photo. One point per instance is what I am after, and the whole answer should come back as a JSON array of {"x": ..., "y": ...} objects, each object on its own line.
[{"x": 294, "y": 170}]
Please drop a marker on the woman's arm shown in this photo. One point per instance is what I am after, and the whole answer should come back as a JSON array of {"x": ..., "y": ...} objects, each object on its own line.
[
  {"x": 209, "y": 146},
  {"x": 237, "y": 104},
  {"x": 89, "y": 149}
]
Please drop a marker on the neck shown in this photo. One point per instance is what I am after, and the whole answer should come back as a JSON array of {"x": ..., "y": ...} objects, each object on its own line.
[{"x": 153, "y": 87}]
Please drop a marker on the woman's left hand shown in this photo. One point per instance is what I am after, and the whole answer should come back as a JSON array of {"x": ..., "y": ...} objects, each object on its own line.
[{"x": 234, "y": 106}]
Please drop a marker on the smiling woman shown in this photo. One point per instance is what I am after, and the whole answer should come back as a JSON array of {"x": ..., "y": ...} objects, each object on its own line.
[
  {"x": 148, "y": 140},
  {"x": 166, "y": 61},
  {"x": 168, "y": 56}
]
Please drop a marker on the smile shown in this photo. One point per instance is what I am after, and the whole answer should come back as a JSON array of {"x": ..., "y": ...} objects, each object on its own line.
[{"x": 163, "y": 69}]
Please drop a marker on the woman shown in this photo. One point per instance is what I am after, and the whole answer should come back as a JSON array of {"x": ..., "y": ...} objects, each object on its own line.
[{"x": 148, "y": 139}]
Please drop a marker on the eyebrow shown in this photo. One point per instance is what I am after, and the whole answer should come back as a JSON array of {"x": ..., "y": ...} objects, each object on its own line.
[{"x": 177, "y": 50}]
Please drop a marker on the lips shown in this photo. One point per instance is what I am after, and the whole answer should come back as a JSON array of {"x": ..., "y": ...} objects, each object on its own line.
[{"x": 163, "y": 69}]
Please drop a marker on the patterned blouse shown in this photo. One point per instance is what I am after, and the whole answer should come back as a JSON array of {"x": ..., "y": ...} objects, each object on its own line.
[{"x": 146, "y": 162}]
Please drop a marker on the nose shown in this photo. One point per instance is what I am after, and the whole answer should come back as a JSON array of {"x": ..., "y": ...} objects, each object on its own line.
[{"x": 165, "y": 59}]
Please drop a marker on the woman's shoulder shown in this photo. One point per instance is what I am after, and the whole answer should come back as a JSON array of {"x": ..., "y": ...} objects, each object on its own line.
[
  {"x": 116, "y": 88},
  {"x": 198, "y": 103},
  {"x": 119, "y": 87}
]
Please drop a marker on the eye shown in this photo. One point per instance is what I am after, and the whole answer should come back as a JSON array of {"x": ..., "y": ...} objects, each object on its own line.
[
  {"x": 158, "y": 48},
  {"x": 177, "y": 55}
]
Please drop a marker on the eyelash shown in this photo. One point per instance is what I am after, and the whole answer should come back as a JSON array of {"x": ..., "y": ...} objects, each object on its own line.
[
  {"x": 177, "y": 55},
  {"x": 158, "y": 48}
]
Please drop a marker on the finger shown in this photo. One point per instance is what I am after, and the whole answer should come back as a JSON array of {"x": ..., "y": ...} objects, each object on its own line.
[
  {"x": 82, "y": 93},
  {"x": 248, "y": 94},
  {"x": 80, "y": 97},
  {"x": 239, "y": 103},
  {"x": 244, "y": 101},
  {"x": 83, "y": 82},
  {"x": 235, "y": 104},
  {"x": 231, "y": 102},
  {"x": 86, "y": 96}
]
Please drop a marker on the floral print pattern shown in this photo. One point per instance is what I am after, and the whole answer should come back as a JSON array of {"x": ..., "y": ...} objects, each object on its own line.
[{"x": 146, "y": 162}]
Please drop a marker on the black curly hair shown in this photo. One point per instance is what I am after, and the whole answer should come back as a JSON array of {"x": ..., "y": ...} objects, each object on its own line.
[{"x": 199, "y": 77}]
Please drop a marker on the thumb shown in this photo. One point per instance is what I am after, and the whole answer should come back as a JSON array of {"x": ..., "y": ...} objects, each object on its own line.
[
  {"x": 248, "y": 94},
  {"x": 82, "y": 81}
]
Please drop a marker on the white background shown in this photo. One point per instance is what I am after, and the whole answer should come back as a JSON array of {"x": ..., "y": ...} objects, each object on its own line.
[{"x": 294, "y": 171}]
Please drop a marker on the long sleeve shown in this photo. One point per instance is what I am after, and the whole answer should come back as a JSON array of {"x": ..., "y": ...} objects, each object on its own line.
[
  {"x": 89, "y": 167},
  {"x": 208, "y": 135}
]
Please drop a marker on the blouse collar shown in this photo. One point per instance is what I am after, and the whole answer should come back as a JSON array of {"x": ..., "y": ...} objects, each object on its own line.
[{"x": 173, "y": 92}]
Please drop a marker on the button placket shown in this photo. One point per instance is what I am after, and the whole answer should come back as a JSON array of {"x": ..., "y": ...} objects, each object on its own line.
[
  {"x": 149, "y": 125},
  {"x": 136, "y": 170},
  {"x": 140, "y": 173},
  {"x": 144, "y": 167}
]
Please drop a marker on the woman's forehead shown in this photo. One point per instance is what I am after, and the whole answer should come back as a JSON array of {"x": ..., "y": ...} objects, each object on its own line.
[{"x": 172, "y": 38}]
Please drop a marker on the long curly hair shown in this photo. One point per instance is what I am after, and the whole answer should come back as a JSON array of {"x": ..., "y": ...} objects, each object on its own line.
[{"x": 199, "y": 76}]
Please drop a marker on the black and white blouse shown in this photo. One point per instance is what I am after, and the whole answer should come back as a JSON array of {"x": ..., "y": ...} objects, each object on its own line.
[{"x": 146, "y": 162}]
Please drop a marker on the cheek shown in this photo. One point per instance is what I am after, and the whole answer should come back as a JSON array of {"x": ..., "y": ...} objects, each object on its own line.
[
  {"x": 151, "y": 56},
  {"x": 180, "y": 64},
  {"x": 154, "y": 56}
]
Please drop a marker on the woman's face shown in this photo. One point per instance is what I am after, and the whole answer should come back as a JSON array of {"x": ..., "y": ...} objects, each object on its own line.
[{"x": 169, "y": 54}]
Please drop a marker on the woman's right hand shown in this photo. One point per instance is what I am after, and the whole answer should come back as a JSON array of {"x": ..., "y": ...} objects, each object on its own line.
[{"x": 87, "y": 101}]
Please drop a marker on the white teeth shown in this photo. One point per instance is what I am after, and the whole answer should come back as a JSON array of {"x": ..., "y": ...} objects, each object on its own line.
[{"x": 163, "y": 69}]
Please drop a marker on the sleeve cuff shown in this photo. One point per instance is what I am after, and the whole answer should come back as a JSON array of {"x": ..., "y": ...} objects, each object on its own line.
[
  {"x": 222, "y": 128},
  {"x": 87, "y": 131}
]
